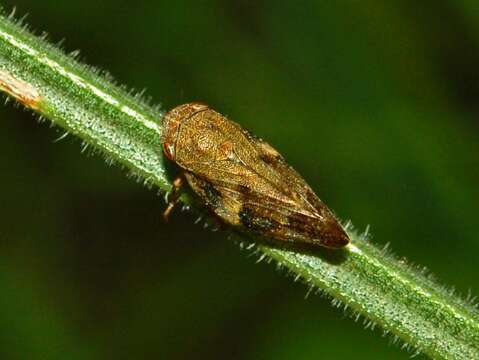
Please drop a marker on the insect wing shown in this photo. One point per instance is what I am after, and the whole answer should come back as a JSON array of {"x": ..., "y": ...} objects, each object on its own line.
[{"x": 247, "y": 183}]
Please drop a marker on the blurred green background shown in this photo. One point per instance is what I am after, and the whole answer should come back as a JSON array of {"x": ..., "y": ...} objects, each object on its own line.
[{"x": 375, "y": 103}]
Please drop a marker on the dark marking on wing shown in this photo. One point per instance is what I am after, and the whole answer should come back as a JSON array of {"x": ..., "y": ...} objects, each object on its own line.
[
  {"x": 246, "y": 217},
  {"x": 213, "y": 195},
  {"x": 251, "y": 220},
  {"x": 271, "y": 160},
  {"x": 243, "y": 189},
  {"x": 206, "y": 190},
  {"x": 269, "y": 217}
]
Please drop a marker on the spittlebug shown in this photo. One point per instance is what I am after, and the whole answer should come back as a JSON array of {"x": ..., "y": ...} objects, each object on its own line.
[{"x": 244, "y": 181}]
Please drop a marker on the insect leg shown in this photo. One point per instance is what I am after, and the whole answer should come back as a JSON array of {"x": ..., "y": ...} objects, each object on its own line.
[{"x": 173, "y": 198}]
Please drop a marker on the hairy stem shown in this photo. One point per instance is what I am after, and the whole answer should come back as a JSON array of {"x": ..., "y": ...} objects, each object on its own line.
[{"x": 370, "y": 282}]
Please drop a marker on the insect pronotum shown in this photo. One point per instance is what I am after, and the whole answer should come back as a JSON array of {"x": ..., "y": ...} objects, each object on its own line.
[{"x": 244, "y": 181}]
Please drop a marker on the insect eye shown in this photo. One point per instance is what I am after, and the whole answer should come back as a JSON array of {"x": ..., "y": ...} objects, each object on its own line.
[{"x": 169, "y": 151}]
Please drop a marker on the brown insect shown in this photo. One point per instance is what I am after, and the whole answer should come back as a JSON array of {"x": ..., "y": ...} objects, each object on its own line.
[{"x": 243, "y": 180}]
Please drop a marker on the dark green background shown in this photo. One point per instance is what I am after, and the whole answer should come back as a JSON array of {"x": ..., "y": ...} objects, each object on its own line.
[{"x": 375, "y": 104}]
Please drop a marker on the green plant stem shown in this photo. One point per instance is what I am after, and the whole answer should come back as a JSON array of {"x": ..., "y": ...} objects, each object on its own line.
[{"x": 370, "y": 282}]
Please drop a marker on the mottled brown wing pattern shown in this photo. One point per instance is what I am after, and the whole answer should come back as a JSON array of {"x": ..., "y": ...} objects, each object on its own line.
[
  {"x": 247, "y": 183},
  {"x": 266, "y": 217}
]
